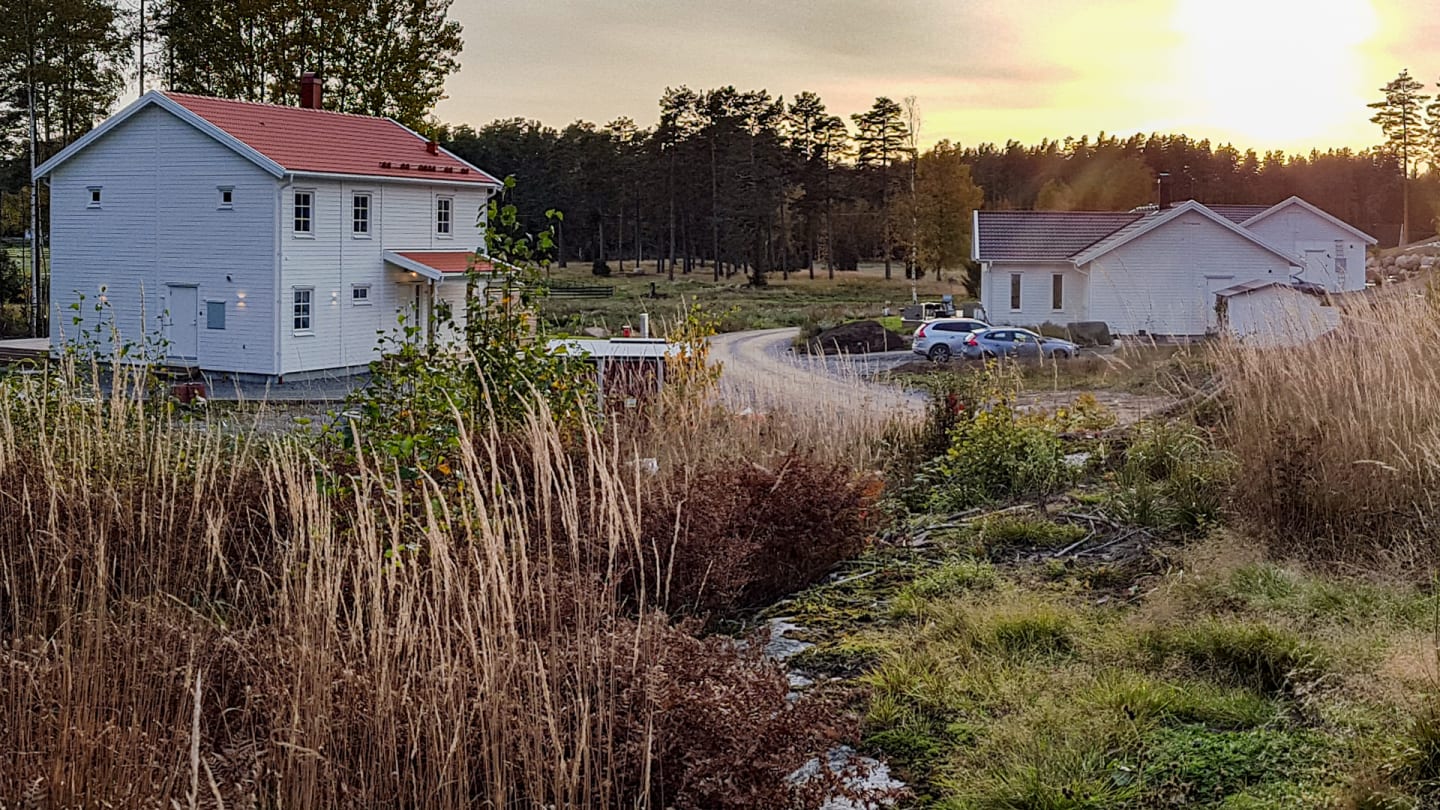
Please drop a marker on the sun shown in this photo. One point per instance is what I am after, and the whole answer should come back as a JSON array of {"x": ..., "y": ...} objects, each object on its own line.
[{"x": 1273, "y": 71}]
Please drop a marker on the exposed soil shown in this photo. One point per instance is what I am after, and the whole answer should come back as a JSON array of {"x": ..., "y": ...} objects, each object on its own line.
[{"x": 859, "y": 337}]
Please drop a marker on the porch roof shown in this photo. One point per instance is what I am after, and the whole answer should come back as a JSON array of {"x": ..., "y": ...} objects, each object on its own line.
[{"x": 436, "y": 265}]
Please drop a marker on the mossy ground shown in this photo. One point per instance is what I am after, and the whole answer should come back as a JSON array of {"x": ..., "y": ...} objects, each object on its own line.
[{"x": 995, "y": 679}]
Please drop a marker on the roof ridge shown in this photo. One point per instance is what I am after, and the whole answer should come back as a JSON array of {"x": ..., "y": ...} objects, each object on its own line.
[{"x": 274, "y": 106}]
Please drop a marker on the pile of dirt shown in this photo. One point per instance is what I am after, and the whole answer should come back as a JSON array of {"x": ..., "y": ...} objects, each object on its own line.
[{"x": 858, "y": 337}]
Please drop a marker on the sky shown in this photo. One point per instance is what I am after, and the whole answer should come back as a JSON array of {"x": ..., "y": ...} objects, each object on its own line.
[{"x": 1261, "y": 74}]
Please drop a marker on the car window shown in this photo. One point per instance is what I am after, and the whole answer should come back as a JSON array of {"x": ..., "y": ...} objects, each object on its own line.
[
  {"x": 1002, "y": 336},
  {"x": 945, "y": 327}
]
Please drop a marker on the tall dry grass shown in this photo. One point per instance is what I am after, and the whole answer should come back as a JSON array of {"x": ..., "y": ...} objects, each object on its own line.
[
  {"x": 1338, "y": 439},
  {"x": 193, "y": 616}
]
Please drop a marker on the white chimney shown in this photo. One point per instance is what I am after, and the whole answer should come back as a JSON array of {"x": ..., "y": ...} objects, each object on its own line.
[{"x": 644, "y": 324}]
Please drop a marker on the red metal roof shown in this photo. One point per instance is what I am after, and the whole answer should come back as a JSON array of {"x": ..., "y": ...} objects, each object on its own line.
[
  {"x": 305, "y": 140},
  {"x": 447, "y": 261}
]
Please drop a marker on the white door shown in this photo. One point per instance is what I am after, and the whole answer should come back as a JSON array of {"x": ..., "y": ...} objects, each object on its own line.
[
  {"x": 1214, "y": 284},
  {"x": 182, "y": 322},
  {"x": 413, "y": 302}
]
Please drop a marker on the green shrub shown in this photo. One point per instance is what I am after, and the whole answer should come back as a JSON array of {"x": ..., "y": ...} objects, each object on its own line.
[
  {"x": 997, "y": 454},
  {"x": 1172, "y": 478}
]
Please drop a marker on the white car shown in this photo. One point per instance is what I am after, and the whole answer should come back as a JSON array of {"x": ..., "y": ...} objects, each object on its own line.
[{"x": 943, "y": 338}]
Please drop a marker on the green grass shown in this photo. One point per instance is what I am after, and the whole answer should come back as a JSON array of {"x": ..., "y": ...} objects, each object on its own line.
[
  {"x": 990, "y": 687},
  {"x": 801, "y": 300}
]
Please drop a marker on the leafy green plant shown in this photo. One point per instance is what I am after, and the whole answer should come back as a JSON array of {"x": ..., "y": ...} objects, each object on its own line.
[
  {"x": 424, "y": 392},
  {"x": 997, "y": 454},
  {"x": 1172, "y": 477}
]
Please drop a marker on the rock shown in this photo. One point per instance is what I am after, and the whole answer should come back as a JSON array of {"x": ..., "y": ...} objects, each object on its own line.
[
  {"x": 1090, "y": 333},
  {"x": 781, "y": 647},
  {"x": 596, "y": 332},
  {"x": 1427, "y": 262},
  {"x": 859, "y": 337},
  {"x": 865, "y": 778}
]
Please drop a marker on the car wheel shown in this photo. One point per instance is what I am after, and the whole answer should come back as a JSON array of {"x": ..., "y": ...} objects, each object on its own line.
[
  {"x": 940, "y": 353},
  {"x": 1060, "y": 354}
]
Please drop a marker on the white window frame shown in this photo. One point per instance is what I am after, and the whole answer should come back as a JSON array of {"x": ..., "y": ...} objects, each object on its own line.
[
  {"x": 1057, "y": 302},
  {"x": 308, "y": 304},
  {"x": 95, "y": 193},
  {"x": 1017, "y": 291},
  {"x": 310, "y": 219},
  {"x": 369, "y": 214},
  {"x": 448, "y": 221},
  {"x": 221, "y": 193},
  {"x": 360, "y": 300}
]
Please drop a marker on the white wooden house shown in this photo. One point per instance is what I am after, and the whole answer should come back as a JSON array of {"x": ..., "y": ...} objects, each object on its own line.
[
  {"x": 1157, "y": 271},
  {"x": 255, "y": 239}
]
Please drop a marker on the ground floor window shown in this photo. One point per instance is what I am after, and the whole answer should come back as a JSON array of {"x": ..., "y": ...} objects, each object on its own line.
[
  {"x": 214, "y": 314},
  {"x": 302, "y": 305},
  {"x": 1057, "y": 291},
  {"x": 1014, "y": 290}
]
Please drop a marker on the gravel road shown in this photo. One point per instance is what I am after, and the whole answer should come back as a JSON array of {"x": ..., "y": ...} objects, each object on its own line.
[{"x": 761, "y": 371}]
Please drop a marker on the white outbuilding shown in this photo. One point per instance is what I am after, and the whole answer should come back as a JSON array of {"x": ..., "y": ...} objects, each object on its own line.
[{"x": 1273, "y": 314}]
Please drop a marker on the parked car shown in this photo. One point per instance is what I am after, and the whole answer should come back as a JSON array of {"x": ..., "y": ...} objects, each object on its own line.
[
  {"x": 944, "y": 337},
  {"x": 1011, "y": 342}
]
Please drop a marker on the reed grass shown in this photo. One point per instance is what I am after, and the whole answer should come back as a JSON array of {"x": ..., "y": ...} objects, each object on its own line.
[
  {"x": 1338, "y": 439},
  {"x": 192, "y": 615}
]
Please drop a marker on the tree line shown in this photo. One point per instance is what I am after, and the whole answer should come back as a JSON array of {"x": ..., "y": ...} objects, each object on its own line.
[
  {"x": 727, "y": 181},
  {"x": 739, "y": 182}
]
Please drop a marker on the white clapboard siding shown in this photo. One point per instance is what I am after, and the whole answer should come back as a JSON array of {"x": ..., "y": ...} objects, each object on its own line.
[
  {"x": 160, "y": 222},
  {"x": 332, "y": 260},
  {"x": 1303, "y": 233},
  {"x": 1036, "y": 293},
  {"x": 1162, "y": 282}
]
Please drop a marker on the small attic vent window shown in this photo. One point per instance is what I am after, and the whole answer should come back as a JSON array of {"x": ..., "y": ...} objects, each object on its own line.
[{"x": 94, "y": 192}]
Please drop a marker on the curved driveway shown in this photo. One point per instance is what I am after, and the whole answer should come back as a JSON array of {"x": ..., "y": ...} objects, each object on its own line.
[{"x": 762, "y": 372}]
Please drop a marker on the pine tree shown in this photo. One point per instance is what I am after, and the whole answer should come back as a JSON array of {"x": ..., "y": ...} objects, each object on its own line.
[
  {"x": 1399, "y": 117},
  {"x": 880, "y": 140}
]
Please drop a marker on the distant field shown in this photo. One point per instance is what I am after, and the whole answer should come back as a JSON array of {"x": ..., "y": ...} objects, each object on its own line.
[{"x": 856, "y": 294}]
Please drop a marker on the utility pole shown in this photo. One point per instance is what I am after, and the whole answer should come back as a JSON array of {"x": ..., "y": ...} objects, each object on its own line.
[
  {"x": 34, "y": 183},
  {"x": 142, "y": 48}
]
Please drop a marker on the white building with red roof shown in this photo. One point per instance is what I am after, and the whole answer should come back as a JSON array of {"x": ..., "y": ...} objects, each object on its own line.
[
  {"x": 257, "y": 239},
  {"x": 1156, "y": 271}
]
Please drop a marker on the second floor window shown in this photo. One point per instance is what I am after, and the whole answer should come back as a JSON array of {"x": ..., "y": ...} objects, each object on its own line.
[
  {"x": 304, "y": 212},
  {"x": 360, "y": 215},
  {"x": 443, "y": 206}
]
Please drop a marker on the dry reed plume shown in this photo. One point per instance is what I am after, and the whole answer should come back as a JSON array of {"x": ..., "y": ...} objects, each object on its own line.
[
  {"x": 1338, "y": 439},
  {"x": 195, "y": 617}
]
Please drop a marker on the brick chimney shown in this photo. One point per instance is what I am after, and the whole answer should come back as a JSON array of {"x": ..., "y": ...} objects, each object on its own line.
[
  {"x": 1163, "y": 194},
  {"x": 432, "y": 146},
  {"x": 310, "y": 91}
]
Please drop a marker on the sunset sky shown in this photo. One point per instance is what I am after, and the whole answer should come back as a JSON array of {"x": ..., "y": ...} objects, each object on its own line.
[{"x": 1263, "y": 74}]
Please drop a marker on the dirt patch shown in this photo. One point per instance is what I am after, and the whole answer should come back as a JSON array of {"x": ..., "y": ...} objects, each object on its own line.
[
  {"x": 858, "y": 337},
  {"x": 1128, "y": 408}
]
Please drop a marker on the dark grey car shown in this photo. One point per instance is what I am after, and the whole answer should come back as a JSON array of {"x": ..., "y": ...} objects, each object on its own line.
[{"x": 1010, "y": 342}]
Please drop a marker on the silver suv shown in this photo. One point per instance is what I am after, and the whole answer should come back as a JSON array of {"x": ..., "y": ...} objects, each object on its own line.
[{"x": 942, "y": 338}]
